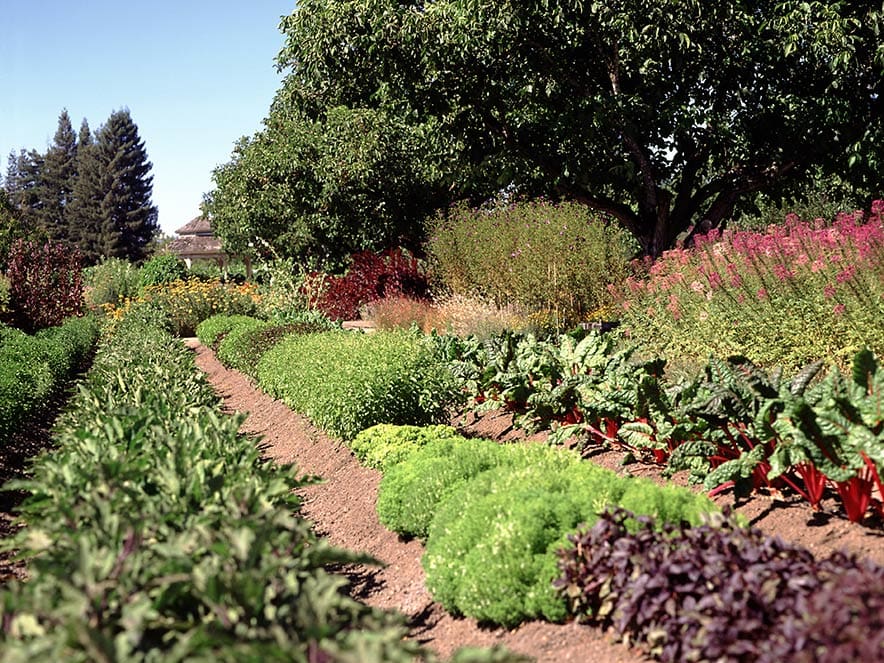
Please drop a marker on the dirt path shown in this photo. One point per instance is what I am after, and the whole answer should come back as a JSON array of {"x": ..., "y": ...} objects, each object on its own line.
[{"x": 343, "y": 509}]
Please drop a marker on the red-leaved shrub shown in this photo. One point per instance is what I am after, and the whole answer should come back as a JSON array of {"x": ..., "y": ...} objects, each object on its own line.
[
  {"x": 371, "y": 276},
  {"x": 45, "y": 283}
]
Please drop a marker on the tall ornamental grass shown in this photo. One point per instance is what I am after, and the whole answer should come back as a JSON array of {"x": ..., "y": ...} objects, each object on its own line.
[
  {"x": 557, "y": 259},
  {"x": 795, "y": 293}
]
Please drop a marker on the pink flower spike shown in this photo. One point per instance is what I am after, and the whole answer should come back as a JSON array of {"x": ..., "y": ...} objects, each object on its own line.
[
  {"x": 829, "y": 291},
  {"x": 839, "y": 309}
]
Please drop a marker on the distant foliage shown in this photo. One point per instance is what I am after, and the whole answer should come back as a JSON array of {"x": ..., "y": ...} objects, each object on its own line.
[
  {"x": 111, "y": 281},
  {"x": 555, "y": 259},
  {"x": 188, "y": 303},
  {"x": 162, "y": 269},
  {"x": 371, "y": 276},
  {"x": 46, "y": 283}
]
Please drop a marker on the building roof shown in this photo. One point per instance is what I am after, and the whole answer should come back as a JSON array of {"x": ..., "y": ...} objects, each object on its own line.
[
  {"x": 191, "y": 246},
  {"x": 199, "y": 225}
]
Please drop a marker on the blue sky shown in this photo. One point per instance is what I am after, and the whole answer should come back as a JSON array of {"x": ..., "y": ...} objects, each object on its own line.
[{"x": 195, "y": 75}]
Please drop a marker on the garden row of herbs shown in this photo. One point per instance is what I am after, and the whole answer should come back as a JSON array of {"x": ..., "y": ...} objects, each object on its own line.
[
  {"x": 155, "y": 532},
  {"x": 508, "y": 528}
]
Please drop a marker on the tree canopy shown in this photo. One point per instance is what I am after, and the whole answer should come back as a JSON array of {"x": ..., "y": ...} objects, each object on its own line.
[
  {"x": 92, "y": 191},
  {"x": 662, "y": 114}
]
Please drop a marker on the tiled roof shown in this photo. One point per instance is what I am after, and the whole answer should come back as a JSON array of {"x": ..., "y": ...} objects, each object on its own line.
[
  {"x": 194, "y": 245},
  {"x": 196, "y": 226}
]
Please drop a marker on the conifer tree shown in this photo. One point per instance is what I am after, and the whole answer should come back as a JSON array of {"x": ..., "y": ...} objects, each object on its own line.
[
  {"x": 112, "y": 210},
  {"x": 58, "y": 177},
  {"x": 129, "y": 218},
  {"x": 24, "y": 187}
]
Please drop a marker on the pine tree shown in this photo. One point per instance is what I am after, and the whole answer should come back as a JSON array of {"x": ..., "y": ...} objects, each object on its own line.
[
  {"x": 24, "y": 186},
  {"x": 129, "y": 218},
  {"x": 58, "y": 177},
  {"x": 112, "y": 210}
]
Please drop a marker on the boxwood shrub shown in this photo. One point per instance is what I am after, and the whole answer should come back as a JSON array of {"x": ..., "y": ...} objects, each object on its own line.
[
  {"x": 384, "y": 445},
  {"x": 243, "y": 347},
  {"x": 346, "y": 382},
  {"x": 212, "y": 330},
  {"x": 491, "y": 549}
]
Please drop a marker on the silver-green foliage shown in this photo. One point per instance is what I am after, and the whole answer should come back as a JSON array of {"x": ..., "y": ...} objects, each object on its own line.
[{"x": 346, "y": 382}]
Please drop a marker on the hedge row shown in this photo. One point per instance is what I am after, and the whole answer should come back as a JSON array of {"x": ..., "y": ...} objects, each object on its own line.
[
  {"x": 156, "y": 532},
  {"x": 34, "y": 368},
  {"x": 346, "y": 382},
  {"x": 493, "y": 516}
]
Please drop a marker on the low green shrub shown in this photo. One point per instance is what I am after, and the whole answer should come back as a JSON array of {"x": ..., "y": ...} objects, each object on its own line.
[
  {"x": 346, "y": 382},
  {"x": 410, "y": 492},
  {"x": 35, "y": 368},
  {"x": 212, "y": 330},
  {"x": 385, "y": 445},
  {"x": 491, "y": 550},
  {"x": 243, "y": 347}
]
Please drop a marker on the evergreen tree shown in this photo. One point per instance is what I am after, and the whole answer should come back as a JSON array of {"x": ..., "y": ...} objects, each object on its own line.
[
  {"x": 58, "y": 177},
  {"x": 84, "y": 213},
  {"x": 25, "y": 188},
  {"x": 129, "y": 218},
  {"x": 112, "y": 209}
]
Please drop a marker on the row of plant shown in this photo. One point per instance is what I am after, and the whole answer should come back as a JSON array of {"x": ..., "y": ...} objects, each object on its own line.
[
  {"x": 794, "y": 293},
  {"x": 722, "y": 593},
  {"x": 733, "y": 425},
  {"x": 492, "y": 516},
  {"x": 156, "y": 532},
  {"x": 343, "y": 381},
  {"x": 34, "y": 368}
]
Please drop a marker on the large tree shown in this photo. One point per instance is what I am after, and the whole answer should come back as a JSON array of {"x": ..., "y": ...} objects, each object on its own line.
[
  {"x": 663, "y": 114},
  {"x": 112, "y": 213},
  {"x": 58, "y": 175},
  {"x": 24, "y": 188}
]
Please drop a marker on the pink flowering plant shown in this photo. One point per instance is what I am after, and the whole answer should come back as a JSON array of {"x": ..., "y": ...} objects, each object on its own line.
[
  {"x": 797, "y": 292},
  {"x": 558, "y": 259}
]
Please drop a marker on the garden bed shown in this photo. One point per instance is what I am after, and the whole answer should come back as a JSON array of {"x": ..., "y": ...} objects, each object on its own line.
[{"x": 343, "y": 508}]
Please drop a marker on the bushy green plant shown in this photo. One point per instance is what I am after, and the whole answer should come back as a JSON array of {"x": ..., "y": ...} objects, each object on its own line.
[
  {"x": 34, "y": 368},
  {"x": 243, "y": 347},
  {"x": 346, "y": 381},
  {"x": 110, "y": 282},
  {"x": 491, "y": 550},
  {"x": 212, "y": 330},
  {"x": 162, "y": 269},
  {"x": 4, "y": 296},
  {"x": 384, "y": 445},
  {"x": 410, "y": 492},
  {"x": 550, "y": 258}
]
